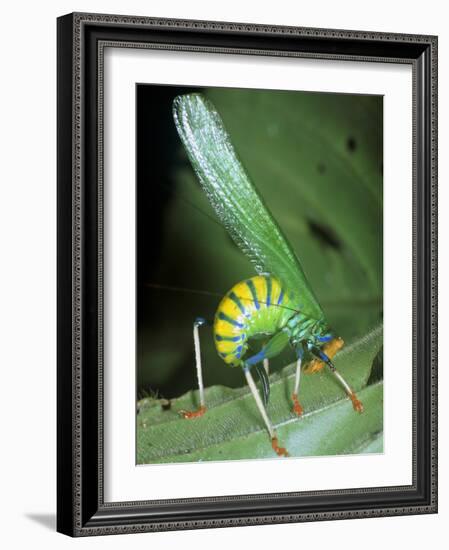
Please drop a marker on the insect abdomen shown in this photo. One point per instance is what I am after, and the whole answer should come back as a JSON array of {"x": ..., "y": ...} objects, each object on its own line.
[{"x": 251, "y": 307}]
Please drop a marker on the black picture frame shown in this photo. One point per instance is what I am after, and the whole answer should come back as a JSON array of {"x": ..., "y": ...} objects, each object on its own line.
[{"x": 81, "y": 509}]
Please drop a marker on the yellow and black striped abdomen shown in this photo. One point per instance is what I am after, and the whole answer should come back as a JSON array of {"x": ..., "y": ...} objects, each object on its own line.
[{"x": 254, "y": 306}]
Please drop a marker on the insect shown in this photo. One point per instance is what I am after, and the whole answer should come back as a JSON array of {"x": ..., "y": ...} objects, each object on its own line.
[{"x": 277, "y": 304}]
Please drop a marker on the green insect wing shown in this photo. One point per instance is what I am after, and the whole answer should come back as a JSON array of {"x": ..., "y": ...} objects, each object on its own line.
[{"x": 236, "y": 201}]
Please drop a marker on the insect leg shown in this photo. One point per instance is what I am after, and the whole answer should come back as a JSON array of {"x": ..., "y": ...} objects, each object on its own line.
[
  {"x": 272, "y": 348},
  {"x": 297, "y": 409},
  {"x": 356, "y": 403},
  {"x": 199, "y": 322},
  {"x": 266, "y": 365},
  {"x": 281, "y": 451}
]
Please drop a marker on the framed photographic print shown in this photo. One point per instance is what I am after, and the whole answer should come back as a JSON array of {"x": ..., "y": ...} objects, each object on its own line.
[{"x": 246, "y": 274}]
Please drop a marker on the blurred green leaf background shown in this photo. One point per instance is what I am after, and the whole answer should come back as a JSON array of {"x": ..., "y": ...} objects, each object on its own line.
[{"x": 317, "y": 160}]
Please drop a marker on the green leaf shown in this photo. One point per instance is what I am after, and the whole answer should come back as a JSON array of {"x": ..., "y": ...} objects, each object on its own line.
[
  {"x": 373, "y": 444},
  {"x": 232, "y": 427}
]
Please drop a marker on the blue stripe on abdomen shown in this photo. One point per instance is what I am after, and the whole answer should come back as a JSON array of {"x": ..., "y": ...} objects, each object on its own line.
[
  {"x": 220, "y": 338},
  {"x": 223, "y": 317},
  {"x": 281, "y": 297},
  {"x": 233, "y": 296},
  {"x": 253, "y": 291},
  {"x": 268, "y": 301}
]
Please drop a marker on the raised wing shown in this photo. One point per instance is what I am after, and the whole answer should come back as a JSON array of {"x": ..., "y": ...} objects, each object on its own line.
[{"x": 236, "y": 201}]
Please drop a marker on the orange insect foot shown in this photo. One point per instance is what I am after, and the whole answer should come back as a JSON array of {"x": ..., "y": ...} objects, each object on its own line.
[
  {"x": 193, "y": 414},
  {"x": 356, "y": 403},
  {"x": 280, "y": 451},
  {"x": 297, "y": 409}
]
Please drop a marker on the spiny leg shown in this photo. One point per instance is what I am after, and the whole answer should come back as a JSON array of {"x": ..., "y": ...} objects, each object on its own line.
[
  {"x": 199, "y": 322},
  {"x": 297, "y": 409},
  {"x": 281, "y": 451},
  {"x": 266, "y": 365},
  {"x": 272, "y": 348},
  {"x": 264, "y": 374},
  {"x": 356, "y": 403}
]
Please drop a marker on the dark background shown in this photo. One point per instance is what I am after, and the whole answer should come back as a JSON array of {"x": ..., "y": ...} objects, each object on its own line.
[{"x": 316, "y": 159}]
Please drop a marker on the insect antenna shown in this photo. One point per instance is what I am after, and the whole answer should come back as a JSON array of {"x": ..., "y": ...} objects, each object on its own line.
[
  {"x": 180, "y": 194},
  {"x": 220, "y": 295},
  {"x": 186, "y": 200},
  {"x": 184, "y": 289}
]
